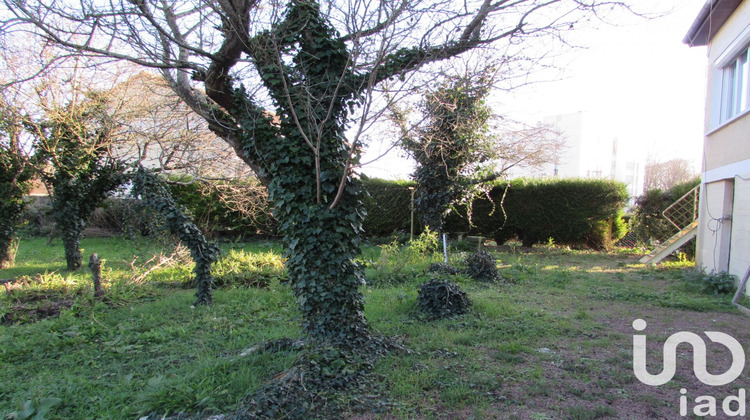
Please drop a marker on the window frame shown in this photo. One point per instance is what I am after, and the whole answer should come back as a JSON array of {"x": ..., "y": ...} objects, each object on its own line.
[{"x": 735, "y": 87}]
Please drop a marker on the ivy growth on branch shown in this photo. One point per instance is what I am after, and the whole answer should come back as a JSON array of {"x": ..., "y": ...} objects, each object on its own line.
[{"x": 156, "y": 196}]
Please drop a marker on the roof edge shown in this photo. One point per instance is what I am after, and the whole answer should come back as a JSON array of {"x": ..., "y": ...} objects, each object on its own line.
[{"x": 710, "y": 19}]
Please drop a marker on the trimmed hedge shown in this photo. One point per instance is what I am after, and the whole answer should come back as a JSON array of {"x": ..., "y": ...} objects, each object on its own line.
[
  {"x": 573, "y": 212},
  {"x": 570, "y": 211},
  {"x": 387, "y": 205}
]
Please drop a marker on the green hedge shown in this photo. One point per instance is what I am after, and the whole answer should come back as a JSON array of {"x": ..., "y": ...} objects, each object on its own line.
[
  {"x": 387, "y": 205},
  {"x": 569, "y": 211},
  {"x": 575, "y": 212},
  {"x": 215, "y": 218}
]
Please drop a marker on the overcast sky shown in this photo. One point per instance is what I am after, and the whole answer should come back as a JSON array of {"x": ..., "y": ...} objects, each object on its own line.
[{"x": 635, "y": 81}]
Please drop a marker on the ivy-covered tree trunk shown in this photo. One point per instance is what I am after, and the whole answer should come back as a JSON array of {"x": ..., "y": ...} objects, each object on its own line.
[
  {"x": 11, "y": 208},
  {"x": 436, "y": 190},
  {"x": 66, "y": 212},
  {"x": 321, "y": 245},
  {"x": 69, "y": 212},
  {"x": 75, "y": 139},
  {"x": 451, "y": 146},
  {"x": 308, "y": 160},
  {"x": 72, "y": 231},
  {"x": 16, "y": 169},
  {"x": 74, "y": 198},
  {"x": 7, "y": 228}
]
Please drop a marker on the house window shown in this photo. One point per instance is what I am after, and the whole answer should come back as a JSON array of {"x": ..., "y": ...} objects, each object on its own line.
[{"x": 735, "y": 90}]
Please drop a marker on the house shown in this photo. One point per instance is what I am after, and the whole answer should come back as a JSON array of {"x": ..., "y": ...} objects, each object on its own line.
[{"x": 724, "y": 209}]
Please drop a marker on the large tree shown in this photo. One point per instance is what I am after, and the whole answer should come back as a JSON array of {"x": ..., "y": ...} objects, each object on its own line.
[
  {"x": 665, "y": 175},
  {"x": 17, "y": 168},
  {"x": 449, "y": 146},
  {"x": 282, "y": 82},
  {"x": 75, "y": 141},
  {"x": 460, "y": 145}
]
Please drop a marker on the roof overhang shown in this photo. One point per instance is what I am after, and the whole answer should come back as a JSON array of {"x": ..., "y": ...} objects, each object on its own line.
[{"x": 710, "y": 19}]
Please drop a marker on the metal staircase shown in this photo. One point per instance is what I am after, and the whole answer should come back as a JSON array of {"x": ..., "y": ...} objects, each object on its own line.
[{"x": 683, "y": 215}]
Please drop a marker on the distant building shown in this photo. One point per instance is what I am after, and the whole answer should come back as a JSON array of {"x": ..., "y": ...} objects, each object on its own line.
[
  {"x": 590, "y": 152},
  {"x": 724, "y": 211},
  {"x": 38, "y": 189}
]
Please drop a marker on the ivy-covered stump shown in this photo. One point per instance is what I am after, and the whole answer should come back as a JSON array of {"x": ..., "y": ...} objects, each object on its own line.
[
  {"x": 438, "y": 299},
  {"x": 481, "y": 266}
]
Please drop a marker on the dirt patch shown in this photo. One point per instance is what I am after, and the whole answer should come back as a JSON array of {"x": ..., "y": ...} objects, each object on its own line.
[
  {"x": 592, "y": 377},
  {"x": 35, "y": 312}
]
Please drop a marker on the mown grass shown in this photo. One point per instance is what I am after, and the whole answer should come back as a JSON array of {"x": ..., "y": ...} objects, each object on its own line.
[{"x": 146, "y": 349}]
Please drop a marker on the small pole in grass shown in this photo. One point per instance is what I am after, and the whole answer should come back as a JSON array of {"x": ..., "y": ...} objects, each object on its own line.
[
  {"x": 95, "y": 264},
  {"x": 445, "y": 248}
]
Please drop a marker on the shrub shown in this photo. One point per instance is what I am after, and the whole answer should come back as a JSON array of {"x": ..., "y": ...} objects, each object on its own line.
[
  {"x": 438, "y": 299},
  {"x": 211, "y": 209},
  {"x": 120, "y": 216},
  {"x": 37, "y": 219},
  {"x": 716, "y": 283},
  {"x": 648, "y": 224},
  {"x": 607, "y": 232},
  {"x": 399, "y": 263}
]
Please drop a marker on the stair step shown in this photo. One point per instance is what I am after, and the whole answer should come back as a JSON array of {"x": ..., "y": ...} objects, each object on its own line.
[{"x": 672, "y": 244}]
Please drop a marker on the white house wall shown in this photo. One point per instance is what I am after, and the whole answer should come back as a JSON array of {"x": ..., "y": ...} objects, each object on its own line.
[
  {"x": 715, "y": 228},
  {"x": 740, "y": 257},
  {"x": 724, "y": 230}
]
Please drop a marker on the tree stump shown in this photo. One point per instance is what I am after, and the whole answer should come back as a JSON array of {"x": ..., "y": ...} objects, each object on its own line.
[
  {"x": 95, "y": 264},
  {"x": 6, "y": 283}
]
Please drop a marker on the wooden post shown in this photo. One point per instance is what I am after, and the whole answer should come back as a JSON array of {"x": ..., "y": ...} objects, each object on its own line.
[{"x": 95, "y": 264}]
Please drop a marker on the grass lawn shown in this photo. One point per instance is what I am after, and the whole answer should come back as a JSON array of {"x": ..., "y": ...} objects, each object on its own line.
[{"x": 552, "y": 342}]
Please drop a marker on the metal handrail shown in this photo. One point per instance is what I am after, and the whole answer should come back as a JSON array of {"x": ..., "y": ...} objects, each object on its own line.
[{"x": 694, "y": 216}]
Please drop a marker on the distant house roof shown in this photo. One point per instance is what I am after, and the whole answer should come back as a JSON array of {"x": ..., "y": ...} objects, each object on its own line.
[
  {"x": 38, "y": 189},
  {"x": 710, "y": 19}
]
